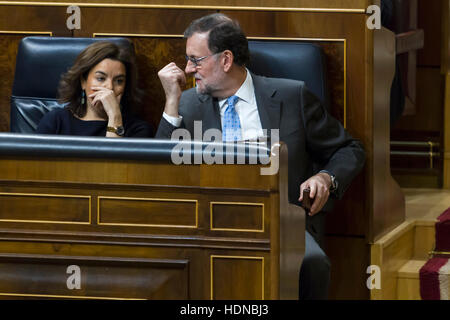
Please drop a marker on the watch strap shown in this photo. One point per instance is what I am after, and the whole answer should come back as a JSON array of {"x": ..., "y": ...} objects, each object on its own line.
[
  {"x": 120, "y": 131},
  {"x": 334, "y": 182}
]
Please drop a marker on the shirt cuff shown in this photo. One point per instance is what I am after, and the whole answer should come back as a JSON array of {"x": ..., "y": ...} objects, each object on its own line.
[{"x": 176, "y": 122}]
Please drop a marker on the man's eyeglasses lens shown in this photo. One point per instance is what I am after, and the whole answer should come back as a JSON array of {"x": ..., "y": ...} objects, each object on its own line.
[{"x": 196, "y": 61}]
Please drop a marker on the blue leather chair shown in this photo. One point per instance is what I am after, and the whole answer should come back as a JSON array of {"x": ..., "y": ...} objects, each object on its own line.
[
  {"x": 40, "y": 63},
  {"x": 293, "y": 60}
]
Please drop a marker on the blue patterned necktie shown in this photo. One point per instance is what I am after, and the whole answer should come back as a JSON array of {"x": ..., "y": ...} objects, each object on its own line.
[{"x": 231, "y": 130}]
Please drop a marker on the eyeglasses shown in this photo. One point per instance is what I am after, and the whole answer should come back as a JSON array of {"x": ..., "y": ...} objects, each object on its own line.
[{"x": 196, "y": 61}]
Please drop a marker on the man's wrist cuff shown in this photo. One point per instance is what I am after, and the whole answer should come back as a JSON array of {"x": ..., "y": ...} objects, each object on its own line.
[
  {"x": 334, "y": 183},
  {"x": 176, "y": 122}
]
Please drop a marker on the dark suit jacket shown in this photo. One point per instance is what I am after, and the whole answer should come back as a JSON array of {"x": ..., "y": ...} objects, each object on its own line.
[{"x": 313, "y": 137}]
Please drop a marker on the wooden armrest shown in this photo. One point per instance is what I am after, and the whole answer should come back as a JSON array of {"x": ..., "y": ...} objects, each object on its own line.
[{"x": 292, "y": 233}]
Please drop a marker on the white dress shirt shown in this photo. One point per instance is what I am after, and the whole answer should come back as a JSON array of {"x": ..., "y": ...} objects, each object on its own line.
[{"x": 245, "y": 107}]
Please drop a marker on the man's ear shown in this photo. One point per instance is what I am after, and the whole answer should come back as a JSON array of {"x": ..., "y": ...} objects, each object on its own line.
[{"x": 228, "y": 60}]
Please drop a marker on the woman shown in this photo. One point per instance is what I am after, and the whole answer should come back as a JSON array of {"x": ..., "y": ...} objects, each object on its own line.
[{"x": 98, "y": 91}]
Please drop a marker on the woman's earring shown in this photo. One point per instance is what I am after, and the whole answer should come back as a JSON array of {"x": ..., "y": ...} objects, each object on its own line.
[{"x": 83, "y": 95}]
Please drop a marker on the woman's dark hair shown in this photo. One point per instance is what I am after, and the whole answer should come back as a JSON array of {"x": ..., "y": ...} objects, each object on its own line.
[
  {"x": 70, "y": 90},
  {"x": 224, "y": 34}
]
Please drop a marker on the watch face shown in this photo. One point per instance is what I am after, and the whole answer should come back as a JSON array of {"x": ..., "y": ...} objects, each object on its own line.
[
  {"x": 334, "y": 183},
  {"x": 120, "y": 131}
]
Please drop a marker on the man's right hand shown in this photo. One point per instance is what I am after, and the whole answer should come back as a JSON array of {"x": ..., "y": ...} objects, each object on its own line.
[{"x": 172, "y": 79}]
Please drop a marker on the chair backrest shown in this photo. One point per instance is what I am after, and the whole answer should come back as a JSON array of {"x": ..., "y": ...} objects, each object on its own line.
[
  {"x": 40, "y": 63},
  {"x": 292, "y": 60}
]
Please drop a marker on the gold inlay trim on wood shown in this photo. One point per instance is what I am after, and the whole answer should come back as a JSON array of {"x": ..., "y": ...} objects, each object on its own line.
[
  {"x": 211, "y": 216},
  {"x": 49, "y": 33},
  {"x": 297, "y": 39},
  {"x": 145, "y": 35},
  {"x": 42, "y": 195},
  {"x": 147, "y": 225},
  {"x": 63, "y": 296},
  {"x": 187, "y": 7},
  {"x": 442, "y": 253},
  {"x": 240, "y": 258}
]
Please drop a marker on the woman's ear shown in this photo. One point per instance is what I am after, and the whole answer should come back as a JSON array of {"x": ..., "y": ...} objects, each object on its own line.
[
  {"x": 228, "y": 60},
  {"x": 83, "y": 83}
]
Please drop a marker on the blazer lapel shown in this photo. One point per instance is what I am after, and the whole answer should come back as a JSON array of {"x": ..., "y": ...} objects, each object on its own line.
[
  {"x": 269, "y": 107},
  {"x": 210, "y": 113}
]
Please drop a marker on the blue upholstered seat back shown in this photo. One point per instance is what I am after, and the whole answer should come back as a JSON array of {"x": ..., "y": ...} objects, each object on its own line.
[{"x": 292, "y": 60}]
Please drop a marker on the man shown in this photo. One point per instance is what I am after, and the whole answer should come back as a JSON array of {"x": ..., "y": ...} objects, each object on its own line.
[{"x": 230, "y": 98}]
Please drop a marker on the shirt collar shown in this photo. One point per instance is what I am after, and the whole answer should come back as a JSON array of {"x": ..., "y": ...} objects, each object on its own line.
[{"x": 245, "y": 92}]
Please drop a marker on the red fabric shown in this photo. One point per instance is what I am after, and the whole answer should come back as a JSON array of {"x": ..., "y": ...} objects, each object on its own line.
[
  {"x": 443, "y": 232},
  {"x": 429, "y": 279},
  {"x": 445, "y": 216}
]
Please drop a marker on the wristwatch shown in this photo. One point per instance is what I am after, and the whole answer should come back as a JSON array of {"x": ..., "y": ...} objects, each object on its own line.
[
  {"x": 120, "y": 131},
  {"x": 334, "y": 183}
]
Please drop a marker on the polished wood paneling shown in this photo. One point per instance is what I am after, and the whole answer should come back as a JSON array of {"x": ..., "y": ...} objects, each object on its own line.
[
  {"x": 246, "y": 274},
  {"x": 152, "y": 54},
  {"x": 116, "y": 172},
  {"x": 181, "y": 213},
  {"x": 237, "y": 216},
  {"x": 335, "y": 53},
  {"x": 9, "y": 42},
  {"x": 424, "y": 239},
  {"x": 344, "y": 211},
  {"x": 130, "y": 208},
  {"x": 42, "y": 208},
  {"x": 390, "y": 253},
  {"x": 34, "y": 18},
  {"x": 46, "y": 276},
  {"x": 401, "y": 253},
  {"x": 388, "y": 201},
  {"x": 349, "y": 258},
  {"x": 8, "y": 54},
  {"x": 408, "y": 283},
  {"x": 16, "y": 23},
  {"x": 136, "y": 21},
  {"x": 142, "y": 219}
]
